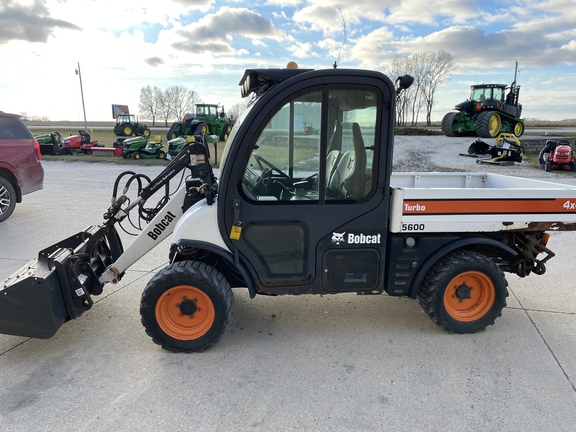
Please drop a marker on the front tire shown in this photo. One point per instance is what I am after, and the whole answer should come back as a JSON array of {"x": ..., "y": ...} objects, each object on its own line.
[
  {"x": 187, "y": 307},
  {"x": 7, "y": 199},
  {"x": 464, "y": 292}
]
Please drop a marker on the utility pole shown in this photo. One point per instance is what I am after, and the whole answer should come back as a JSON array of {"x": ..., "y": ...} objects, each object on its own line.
[{"x": 82, "y": 93}]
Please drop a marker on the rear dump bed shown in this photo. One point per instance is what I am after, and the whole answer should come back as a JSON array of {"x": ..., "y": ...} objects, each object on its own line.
[{"x": 478, "y": 202}]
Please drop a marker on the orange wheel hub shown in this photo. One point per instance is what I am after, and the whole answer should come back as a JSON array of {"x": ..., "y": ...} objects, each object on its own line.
[
  {"x": 185, "y": 312},
  {"x": 469, "y": 296}
]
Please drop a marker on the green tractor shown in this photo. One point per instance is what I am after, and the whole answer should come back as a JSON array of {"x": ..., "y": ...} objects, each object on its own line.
[
  {"x": 127, "y": 125},
  {"x": 214, "y": 125},
  {"x": 488, "y": 112},
  {"x": 141, "y": 148}
]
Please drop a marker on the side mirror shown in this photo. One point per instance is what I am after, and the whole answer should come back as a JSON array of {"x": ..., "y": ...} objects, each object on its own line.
[{"x": 405, "y": 81}]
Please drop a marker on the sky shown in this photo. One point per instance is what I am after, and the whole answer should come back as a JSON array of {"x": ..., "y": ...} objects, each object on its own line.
[{"x": 205, "y": 45}]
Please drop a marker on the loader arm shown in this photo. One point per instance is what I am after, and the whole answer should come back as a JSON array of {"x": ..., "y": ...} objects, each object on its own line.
[{"x": 57, "y": 287}]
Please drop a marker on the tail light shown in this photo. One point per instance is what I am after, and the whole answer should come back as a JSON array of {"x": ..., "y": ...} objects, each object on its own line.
[{"x": 37, "y": 149}]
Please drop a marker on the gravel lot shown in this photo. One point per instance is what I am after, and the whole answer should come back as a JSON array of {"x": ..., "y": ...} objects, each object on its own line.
[{"x": 439, "y": 153}]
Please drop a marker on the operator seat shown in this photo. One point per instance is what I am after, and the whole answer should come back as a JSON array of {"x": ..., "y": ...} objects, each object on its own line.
[{"x": 350, "y": 175}]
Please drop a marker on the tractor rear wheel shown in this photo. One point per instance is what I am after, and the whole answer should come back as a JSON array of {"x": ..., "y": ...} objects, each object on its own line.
[
  {"x": 488, "y": 124},
  {"x": 172, "y": 131},
  {"x": 127, "y": 130},
  {"x": 464, "y": 292},
  {"x": 161, "y": 154},
  {"x": 448, "y": 123},
  {"x": 518, "y": 129},
  {"x": 187, "y": 307}
]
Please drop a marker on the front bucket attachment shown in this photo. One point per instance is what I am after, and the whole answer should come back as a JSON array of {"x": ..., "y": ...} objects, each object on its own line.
[
  {"x": 55, "y": 288},
  {"x": 31, "y": 302}
]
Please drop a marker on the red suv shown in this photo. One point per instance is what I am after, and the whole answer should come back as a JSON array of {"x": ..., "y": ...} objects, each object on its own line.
[{"x": 21, "y": 171}]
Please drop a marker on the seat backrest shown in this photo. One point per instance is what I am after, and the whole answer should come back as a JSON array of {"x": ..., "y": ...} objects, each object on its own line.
[
  {"x": 332, "y": 178},
  {"x": 355, "y": 182}
]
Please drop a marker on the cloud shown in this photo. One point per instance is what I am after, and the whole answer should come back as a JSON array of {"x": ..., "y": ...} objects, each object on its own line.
[
  {"x": 213, "y": 33},
  {"x": 196, "y": 4},
  {"x": 30, "y": 22},
  {"x": 154, "y": 61}
]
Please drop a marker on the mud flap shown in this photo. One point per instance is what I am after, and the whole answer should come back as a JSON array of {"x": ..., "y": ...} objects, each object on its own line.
[{"x": 55, "y": 288}]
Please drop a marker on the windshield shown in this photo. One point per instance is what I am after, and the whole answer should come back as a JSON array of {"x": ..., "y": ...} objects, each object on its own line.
[{"x": 233, "y": 135}]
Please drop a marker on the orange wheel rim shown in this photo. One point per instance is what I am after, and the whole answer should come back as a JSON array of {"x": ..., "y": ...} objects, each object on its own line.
[
  {"x": 185, "y": 312},
  {"x": 469, "y": 296}
]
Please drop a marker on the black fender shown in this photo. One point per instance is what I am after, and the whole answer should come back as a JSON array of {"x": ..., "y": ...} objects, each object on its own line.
[
  {"x": 231, "y": 258},
  {"x": 457, "y": 244}
]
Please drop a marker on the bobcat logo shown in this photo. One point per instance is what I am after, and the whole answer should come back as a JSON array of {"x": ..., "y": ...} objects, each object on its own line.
[{"x": 338, "y": 237}]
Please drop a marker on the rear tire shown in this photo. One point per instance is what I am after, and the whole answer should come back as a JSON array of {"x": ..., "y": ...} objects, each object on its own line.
[
  {"x": 187, "y": 307},
  {"x": 448, "y": 124},
  {"x": 488, "y": 124},
  {"x": 7, "y": 199},
  {"x": 146, "y": 133},
  {"x": 548, "y": 166},
  {"x": 464, "y": 292},
  {"x": 161, "y": 154}
]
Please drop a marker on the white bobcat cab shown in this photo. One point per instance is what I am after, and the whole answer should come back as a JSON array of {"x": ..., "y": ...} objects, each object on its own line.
[{"x": 304, "y": 213}]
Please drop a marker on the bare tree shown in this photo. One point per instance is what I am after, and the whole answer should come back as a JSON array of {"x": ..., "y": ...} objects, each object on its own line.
[
  {"x": 164, "y": 108},
  {"x": 149, "y": 105},
  {"x": 410, "y": 101},
  {"x": 440, "y": 64},
  {"x": 430, "y": 70},
  {"x": 181, "y": 100},
  {"x": 237, "y": 109}
]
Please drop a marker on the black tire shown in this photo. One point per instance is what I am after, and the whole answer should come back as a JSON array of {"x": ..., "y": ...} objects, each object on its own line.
[
  {"x": 448, "y": 123},
  {"x": 466, "y": 310},
  {"x": 161, "y": 154},
  {"x": 146, "y": 132},
  {"x": 488, "y": 124},
  {"x": 225, "y": 132},
  {"x": 544, "y": 155},
  {"x": 7, "y": 199},
  {"x": 171, "y": 132},
  {"x": 548, "y": 166},
  {"x": 137, "y": 155},
  {"x": 173, "y": 297},
  {"x": 74, "y": 152},
  {"x": 127, "y": 129}
]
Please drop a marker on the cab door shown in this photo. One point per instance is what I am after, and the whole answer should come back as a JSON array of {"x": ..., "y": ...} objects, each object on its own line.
[{"x": 300, "y": 202}]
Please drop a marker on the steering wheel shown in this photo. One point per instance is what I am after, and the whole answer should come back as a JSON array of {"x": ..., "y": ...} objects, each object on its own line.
[{"x": 261, "y": 162}]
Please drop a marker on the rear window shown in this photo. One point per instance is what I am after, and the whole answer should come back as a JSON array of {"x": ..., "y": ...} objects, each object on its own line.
[{"x": 13, "y": 128}]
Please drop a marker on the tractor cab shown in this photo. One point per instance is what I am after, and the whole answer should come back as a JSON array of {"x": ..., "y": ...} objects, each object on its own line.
[
  {"x": 125, "y": 118},
  {"x": 205, "y": 110},
  {"x": 306, "y": 212}
]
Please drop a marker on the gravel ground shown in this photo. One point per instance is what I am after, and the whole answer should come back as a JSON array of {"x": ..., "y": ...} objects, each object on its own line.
[{"x": 439, "y": 153}]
